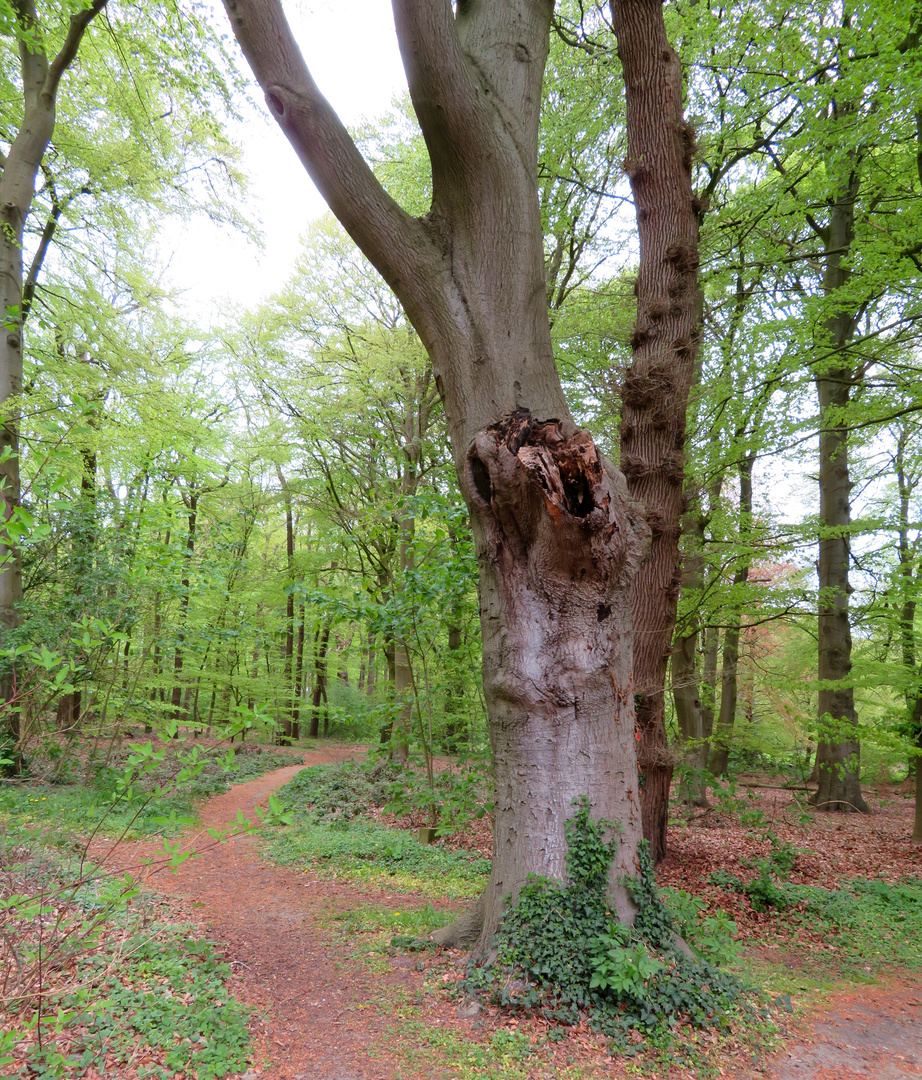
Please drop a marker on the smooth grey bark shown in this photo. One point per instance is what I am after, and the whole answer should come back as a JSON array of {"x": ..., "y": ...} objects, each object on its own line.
[
  {"x": 41, "y": 77},
  {"x": 557, "y": 537}
]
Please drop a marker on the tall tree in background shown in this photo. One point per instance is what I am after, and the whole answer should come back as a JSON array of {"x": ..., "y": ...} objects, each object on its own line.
[{"x": 557, "y": 537}]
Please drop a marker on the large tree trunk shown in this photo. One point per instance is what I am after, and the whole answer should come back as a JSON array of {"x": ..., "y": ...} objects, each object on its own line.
[
  {"x": 557, "y": 537},
  {"x": 664, "y": 345},
  {"x": 838, "y": 750}
]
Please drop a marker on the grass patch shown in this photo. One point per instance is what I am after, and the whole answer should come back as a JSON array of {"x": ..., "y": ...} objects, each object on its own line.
[
  {"x": 373, "y": 855},
  {"x": 388, "y": 921},
  {"x": 329, "y": 836},
  {"x": 506, "y": 1055}
]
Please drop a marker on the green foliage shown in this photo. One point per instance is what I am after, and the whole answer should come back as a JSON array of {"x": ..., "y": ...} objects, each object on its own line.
[
  {"x": 164, "y": 992},
  {"x": 344, "y": 790},
  {"x": 560, "y": 949},
  {"x": 329, "y": 836},
  {"x": 152, "y": 792}
]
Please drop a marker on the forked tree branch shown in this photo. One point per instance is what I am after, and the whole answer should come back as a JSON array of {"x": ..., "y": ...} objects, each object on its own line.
[{"x": 441, "y": 85}]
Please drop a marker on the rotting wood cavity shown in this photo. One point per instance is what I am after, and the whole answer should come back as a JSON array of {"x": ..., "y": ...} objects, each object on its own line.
[{"x": 567, "y": 468}]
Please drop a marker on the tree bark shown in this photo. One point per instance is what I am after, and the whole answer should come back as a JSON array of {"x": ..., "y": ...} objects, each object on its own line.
[
  {"x": 319, "y": 696},
  {"x": 191, "y": 503},
  {"x": 556, "y": 535},
  {"x": 664, "y": 346},
  {"x": 289, "y": 731},
  {"x": 41, "y": 78},
  {"x": 838, "y": 749},
  {"x": 689, "y": 709},
  {"x": 722, "y": 737}
]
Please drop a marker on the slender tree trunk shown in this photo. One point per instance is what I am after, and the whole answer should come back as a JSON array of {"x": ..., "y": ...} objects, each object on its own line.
[
  {"x": 909, "y": 582},
  {"x": 664, "y": 344},
  {"x": 289, "y": 731},
  {"x": 838, "y": 749},
  {"x": 709, "y": 681},
  {"x": 454, "y": 694},
  {"x": 722, "y": 737},
  {"x": 40, "y": 79},
  {"x": 299, "y": 676},
  {"x": 191, "y": 502},
  {"x": 321, "y": 645},
  {"x": 689, "y": 710},
  {"x": 917, "y": 820}
]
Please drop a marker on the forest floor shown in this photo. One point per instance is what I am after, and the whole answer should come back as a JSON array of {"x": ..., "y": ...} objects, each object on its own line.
[{"x": 326, "y": 1011}]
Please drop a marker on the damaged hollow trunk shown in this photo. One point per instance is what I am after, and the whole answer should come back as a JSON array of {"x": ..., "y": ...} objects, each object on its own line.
[
  {"x": 664, "y": 348},
  {"x": 557, "y": 537},
  {"x": 557, "y": 542}
]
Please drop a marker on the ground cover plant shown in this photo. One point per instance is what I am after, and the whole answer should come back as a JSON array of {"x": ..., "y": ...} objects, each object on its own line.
[
  {"x": 93, "y": 975},
  {"x": 334, "y": 832},
  {"x": 142, "y": 789},
  {"x": 759, "y": 887}
]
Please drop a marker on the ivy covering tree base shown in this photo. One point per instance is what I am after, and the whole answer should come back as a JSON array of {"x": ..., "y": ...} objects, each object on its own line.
[{"x": 560, "y": 950}]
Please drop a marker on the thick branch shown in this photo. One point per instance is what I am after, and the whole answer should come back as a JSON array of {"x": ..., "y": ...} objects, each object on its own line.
[
  {"x": 390, "y": 237},
  {"x": 68, "y": 52},
  {"x": 439, "y": 78}
]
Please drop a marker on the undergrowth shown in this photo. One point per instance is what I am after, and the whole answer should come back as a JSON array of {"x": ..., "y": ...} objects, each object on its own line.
[
  {"x": 150, "y": 801},
  {"x": 868, "y": 923},
  {"x": 370, "y": 853},
  {"x": 342, "y": 789},
  {"x": 91, "y": 984},
  {"x": 560, "y": 950}
]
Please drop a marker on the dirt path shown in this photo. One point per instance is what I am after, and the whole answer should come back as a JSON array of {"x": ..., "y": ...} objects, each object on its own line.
[
  {"x": 324, "y": 1017},
  {"x": 316, "y": 1017}
]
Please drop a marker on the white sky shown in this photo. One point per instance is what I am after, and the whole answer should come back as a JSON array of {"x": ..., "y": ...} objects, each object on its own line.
[{"x": 356, "y": 64}]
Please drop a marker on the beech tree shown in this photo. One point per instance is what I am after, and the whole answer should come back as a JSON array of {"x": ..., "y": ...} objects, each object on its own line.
[{"x": 558, "y": 539}]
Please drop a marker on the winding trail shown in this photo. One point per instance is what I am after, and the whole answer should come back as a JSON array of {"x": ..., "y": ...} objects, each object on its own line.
[{"x": 322, "y": 1016}]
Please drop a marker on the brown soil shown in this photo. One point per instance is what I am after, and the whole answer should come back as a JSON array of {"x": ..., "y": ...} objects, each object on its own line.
[{"x": 322, "y": 1015}]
